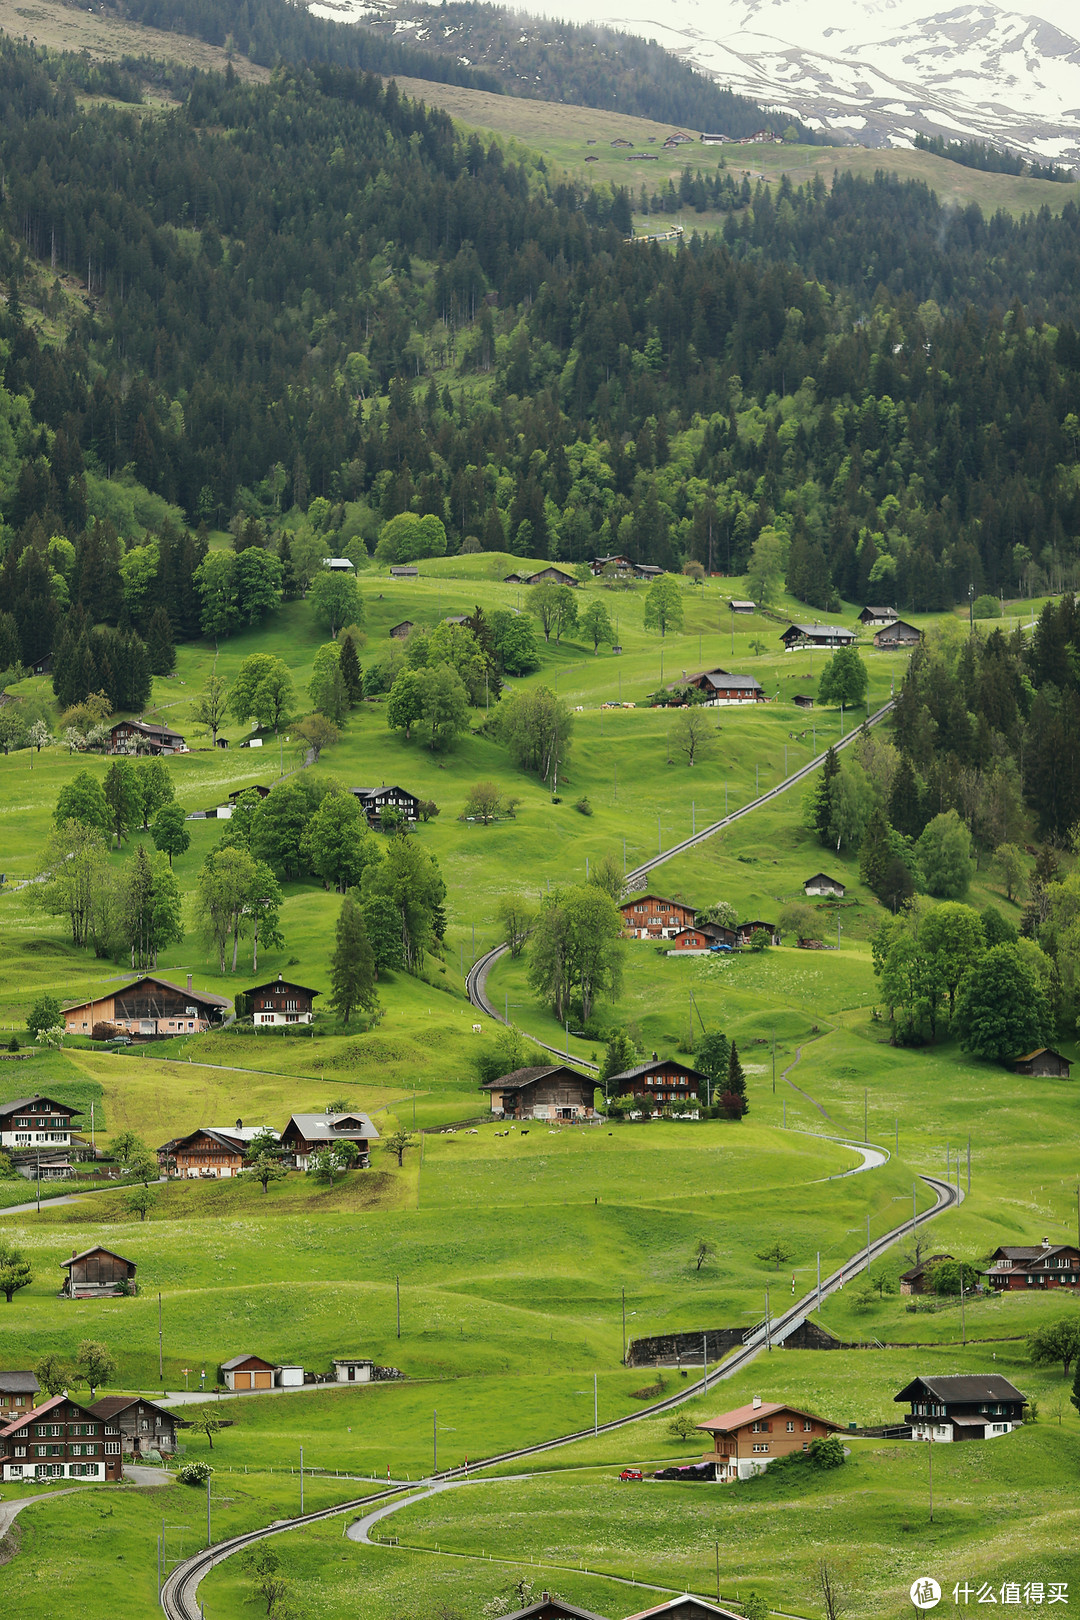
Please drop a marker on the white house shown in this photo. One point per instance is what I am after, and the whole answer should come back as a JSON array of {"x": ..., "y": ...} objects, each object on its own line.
[
  {"x": 36, "y": 1122},
  {"x": 353, "y": 1370},
  {"x": 822, "y": 884}
]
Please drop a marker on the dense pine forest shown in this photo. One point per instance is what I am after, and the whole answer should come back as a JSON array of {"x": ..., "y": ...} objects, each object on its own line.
[{"x": 315, "y": 297}]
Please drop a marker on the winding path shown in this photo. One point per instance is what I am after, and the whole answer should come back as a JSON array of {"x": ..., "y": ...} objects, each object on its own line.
[{"x": 179, "y": 1595}]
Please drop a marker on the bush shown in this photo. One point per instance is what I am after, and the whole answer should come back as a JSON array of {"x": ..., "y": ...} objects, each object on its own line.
[
  {"x": 760, "y": 939},
  {"x": 732, "y": 1105},
  {"x": 194, "y": 1473},
  {"x": 103, "y": 1032},
  {"x": 986, "y": 607},
  {"x": 827, "y": 1453},
  {"x": 583, "y": 805}
]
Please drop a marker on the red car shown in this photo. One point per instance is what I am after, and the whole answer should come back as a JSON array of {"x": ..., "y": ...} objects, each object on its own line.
[{"x": 631, "y": 1473}]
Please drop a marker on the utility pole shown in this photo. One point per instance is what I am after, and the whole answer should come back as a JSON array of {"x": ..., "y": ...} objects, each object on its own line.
[
  {"x": 819, "y": 1280},
  {"x": 865, "y": 1105},
  {"x": 705, "y": 1360},
  {"x": 693, "y": 819},
  {"x": 659, "y": 838},
  {"x": 160, "y": 1365},
  {"x": 914, "y": 1206},
  {"x": 37, "y": 1162},
  {"x": 868, "y": 1243},
  {"x": 716, "y": 1544},
  {"x": 435, "y": 1441},
  {"x": 93, "y": 1148},
  {"x": 930, "y": 1464},
  {"x": 768, "y": 1324},
  {"x": 301, "y": 1482},
  {"x": 209, "y": 1537},
  {"x": 624, "y": 1326},
  {"x": 595, "y": 1406},
  {"x": 969, "y": 1165},
  {"x": 397, "y": 1286},
  {"x": 963, "y": 1324},
  {"x": 896, "y": 1148},
  {"x": 772, "y": 1035}
]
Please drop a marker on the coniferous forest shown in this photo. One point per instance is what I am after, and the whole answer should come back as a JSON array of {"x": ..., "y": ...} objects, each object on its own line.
[{"x": 270, "y": 276}]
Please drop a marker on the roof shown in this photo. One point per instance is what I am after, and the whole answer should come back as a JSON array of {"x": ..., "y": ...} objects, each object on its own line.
[
  {"x": 724, "y": 677},
  {"x": 898, "y": 624},
  {"x": 639, "y": 899},
  {"x": 553, "y": 1606},
  {"x": 202, "y": 996},
  {"x": 881, "y": 612},
  {"x": 315, "y": 1126},
  {"x": 337, "y": 562},
  {"x": 374, "y": 793},
  {"x": 281, "y": 984},
  {"x": 679, "y": 1606},
  {"x": 654, "y": 1065},
  {"x": 517, "y": 1079},
  {"x": 823, "y": 877},
  {"x": 750, "y": 1414},
  {"x": 30, "y": 1102},
  {"x": 964, "y": 1387},
  {"x": 226, "y": 1136},
  {"x": 820, "y": 630},
  {"x": 741, "y": 601},
  {"x": 1041, "y": 1051},
  {"x": 98, "y": 1248},
  {"x": 148, "y": 726},
  {"x": 110, "y": 1405},
  {"x": 238, "y": 1361},
  {"x": 19, "y": 1383},
  {"x": 923, "y": 1266}
]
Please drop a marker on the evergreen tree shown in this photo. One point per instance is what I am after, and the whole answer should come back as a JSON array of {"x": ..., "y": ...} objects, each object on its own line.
[
  {"x": 734, "y": 1100},
  {"x": 875, "y": 852},
  {"x": 905, "y": 809},
  {"x": 823, "y": 801},
  {"x": 351, "y": 673},
  {"x": 159, "y": 643},
  {"x": 352, "y": 966}
]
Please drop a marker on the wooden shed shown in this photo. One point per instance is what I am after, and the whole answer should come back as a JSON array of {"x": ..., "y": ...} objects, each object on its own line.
[
  {"x": 1044, "y": 1061},
  {"x": 248, "y": 1372},
  {"x": 96, "y": 1273}
]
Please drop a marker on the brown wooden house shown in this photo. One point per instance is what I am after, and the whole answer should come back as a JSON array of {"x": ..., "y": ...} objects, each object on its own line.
[
  {"x": 17, "y": 1391},
  {"x": 149, "y": 1006},
  {"x": 212, "y": 1153},
  {"x": 553, "y": 1092},
  {"x": 748, "y": 1439},
  {"x": 60, "y": 1439},
  {"x": 648, "y": 916},
  {"x": 817, "y": 635},
  {"x": 962, "y": 1406},
  {"x": 719, "y": 686},
  {"x": 306, "y": 1134},
  {"x": 900, "y": 634},
  {"x": 874, "y": 616},
  {"x": 1043, "y": 1265},
  {"x": 138, "y": 737},
  {"x": 918, "y": 1279},
  {"x": 279, "y": 1001},
  {"x": 96, "y": 1273},
  {"x": 747, "y": 930},
  {"x": 688, "y": 1606},
  {"x": 546, "y": 1607},
  {"x": 36, "y": 1124},
  {"x": 142, "y": 1425},
  {"x": 693, "y": 940},
  {"x": 666, "y": 1082},
  {"x": 248, "y": 1372},
  {"x": 1044, "y": 1062}
]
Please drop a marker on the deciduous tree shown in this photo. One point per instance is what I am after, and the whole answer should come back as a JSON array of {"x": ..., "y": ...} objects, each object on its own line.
[
  {"x": 169, "y": 831},
  {"x": 1001, "y": 1009},
  {"x": 693, "y": 735},
  {"x": 664, "y": 605},
  {"x": 211, "y": 706},
  {"x": 15, "y": 1271}
]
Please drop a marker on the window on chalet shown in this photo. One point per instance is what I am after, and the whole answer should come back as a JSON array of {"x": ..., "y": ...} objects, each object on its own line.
[{"x": 790, "y": 1426}]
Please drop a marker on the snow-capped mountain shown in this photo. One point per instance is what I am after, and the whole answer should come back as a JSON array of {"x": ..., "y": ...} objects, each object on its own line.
[{"x": 877, "y": 70}]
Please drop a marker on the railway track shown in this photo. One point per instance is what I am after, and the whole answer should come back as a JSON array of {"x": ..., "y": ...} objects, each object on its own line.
[{"x": 179, "y": 1593}]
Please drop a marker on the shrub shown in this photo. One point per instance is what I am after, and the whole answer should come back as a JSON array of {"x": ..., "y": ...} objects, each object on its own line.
[
  {"x": 583, "y": 805},
  {"x": 986, "y": 607},
  {"x": 194, "y": 1473},
  {"x": 732, "y": 1105},
  {"x": 826, "y": 1453},
  {"x": 103, "y": 1032}
]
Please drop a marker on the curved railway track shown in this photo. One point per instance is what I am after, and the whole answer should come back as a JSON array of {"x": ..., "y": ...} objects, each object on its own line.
[{"x": 179, "y": 1593}]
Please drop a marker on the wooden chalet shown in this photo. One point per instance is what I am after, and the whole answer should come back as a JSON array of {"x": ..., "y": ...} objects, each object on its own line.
[
  {"x": 874, "y": 616},
  {"x": 42, "y": 665},
  {"x": 967, "y": 1406},
  {"x": 373, "y": 801},
  {"x": 149, "y": 1006},
  {"x": 714, "y": 139},
  {"x": 60, "y": 1439},
  {"x": 248, "y": 1372},
  {"x": 719, "y": 687},
  {"x": 212, "y": 1153},
  {"x": 138, "y": 737},
  {"x": 142, "y": 1425},
  {"x": 306, "y": 1134},
  {"x": 1043, "y": 1265},
  {"x": 556, "y": 576},
  {"x": 900, "y": 634},
  {"x": 97, "y": 1273},
  {"x": 35, "y": 1124},
  {"x": 817, "y": 635},
  {"x": 616, "y": 562},
  {"x": 822, "y": 884},
  {"x": 404, "y": 571},
  {"x": 803, "y": 700},
  {"x": 17, "y": 1392},
  {"x": 546, "y": 1607},
  {"x": 647, "y": 571},
  {"x": 919, "y": 1279},
  {"x": 649, "y": 916},
  {"x": 741, "y": 605},
  {"x": 747, "y": 1439},
  {"x": 402, "y": 631},
  {"x": 690, "y": 941},
  {"x": 666, "y": 1082},
  {"x": 1043, "y": 1062},
  {"x": 554, "y": 1091},
  {"x": 258, "y": 788},
  {"x": 747, "y": 930},
  {"x": 279, "y": 1001},
  {"x": 515, "y": 579}
]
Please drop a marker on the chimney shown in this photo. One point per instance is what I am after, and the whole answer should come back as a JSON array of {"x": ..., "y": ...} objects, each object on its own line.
[
  {"x": 1046, "y": 1243},
  {"x": 74, "y": 1252},
  {"x": 239, "y": 1124},
  {"x": 756, "y": 1402},
  {"x": 189, "y": 983}
]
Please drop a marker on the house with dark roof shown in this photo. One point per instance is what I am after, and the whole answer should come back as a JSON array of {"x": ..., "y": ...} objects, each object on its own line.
[
  {"x": 36, "y": 1124},
  {"x": 553, "y": 1091},
  {"x": 616, "y": 562},
  {"x": 248, "y": 1372},
  {"x": 306, "y": 1134},
  {"x": 749, "y": 1438},
  {"x": 873, "y": 616},
  {"x": 211, "y": 1153},
  {"x": 279, "y": 1001},
  {"x": 139, "y": 737},
  {"x": 1044, "y": 1062},
  {"x": 822, "y": 884},
  {"x": 817, "y": 635},
  {"x": 97, "y": 1273},
  {"x": 739, "y": 604},
  {"x": 803, "y": 700},
  {"x": 719, "y": 687},
  {"x": 149, "y": 1006},
  {"x": 968, "y": 1406},
  {"x": 747, "y": 930},
  {"x": 649, "y": 916},
  {"x": 687, "y": 1607},
  {"x": 1043, "y": 1265},
  {"x": 897, "y": 634},
  {"x": 401, "y": 632},
  {"x": 17, "y": 1391},
  {"x": 918, "y": 1279},
  {"x": 60, "y": 1439},
  {"x": 546, "y": 1607},
  {"x": 666, "y": 1083},
  {"x": 373, "y": 801},
  {"x": 142, "y": 1425},
  {"x": 404, "y": 571}
]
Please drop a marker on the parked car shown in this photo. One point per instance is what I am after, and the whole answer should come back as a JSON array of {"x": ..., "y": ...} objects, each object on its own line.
[
  {"x": 631, "y": 1473},
  {"x": 691, "y": 1471},
  {"x": 119, "y": 1040}
]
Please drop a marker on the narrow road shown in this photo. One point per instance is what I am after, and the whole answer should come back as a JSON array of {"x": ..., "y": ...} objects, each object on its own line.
[{"x": 179, "y": 1595}]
